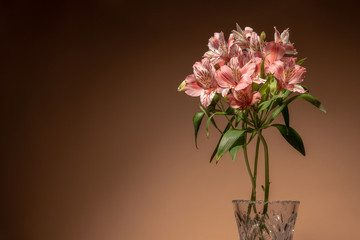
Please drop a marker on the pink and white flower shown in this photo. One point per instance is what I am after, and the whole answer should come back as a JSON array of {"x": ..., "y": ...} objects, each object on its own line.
[
  {"x": 246, "y": 56},
  {"x": 202, "y": 83},
  {"x": 290, "y": 75},
  {"x": 242, "y": 38},
  {"x": 234, "y": 75},
  {"x": 233, "y": 66},
  {"x": 274, "y": 52},
  {"x": 284, "y": 38},
  {"x": 255, "y": 43},
  {"x": 220, "y": 52},
  {"x": 244, "y": 98}
]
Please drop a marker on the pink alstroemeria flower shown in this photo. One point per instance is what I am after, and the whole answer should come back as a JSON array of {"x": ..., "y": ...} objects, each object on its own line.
[
  {"x": 242, "y": 38},
  {"x": 284, "y": 38},
  {"x": 202, "y": 83},
  {"x": 255, "y": 43},
  {"x": 246, "y": 56},
  {"x": 274, "y": 51},
  {"x": 235, "y": 76},
  {"x": 220, "y": 52},
  {"x": 244, "y": 98},
  {"x": 256, "y": 75},
  {"x": 290, "y": 75}
]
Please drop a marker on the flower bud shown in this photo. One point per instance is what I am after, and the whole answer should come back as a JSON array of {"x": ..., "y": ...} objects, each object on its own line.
[
  {"x": 181, "y": 86},
  {"x": 263, "y": 36}
]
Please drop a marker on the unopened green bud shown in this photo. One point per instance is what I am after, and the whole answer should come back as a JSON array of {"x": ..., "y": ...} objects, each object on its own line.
[
  {"x": 181, "y": 87},
  {"x": 263, "y": 36},
  {"x": 273, "y": 86}
]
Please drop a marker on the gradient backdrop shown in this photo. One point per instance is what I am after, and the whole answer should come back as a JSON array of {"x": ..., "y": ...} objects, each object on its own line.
[{"x": 96, "y": 144}]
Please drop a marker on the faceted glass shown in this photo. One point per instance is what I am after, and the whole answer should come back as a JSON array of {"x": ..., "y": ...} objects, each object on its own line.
[{"x": 258, "y": 220}]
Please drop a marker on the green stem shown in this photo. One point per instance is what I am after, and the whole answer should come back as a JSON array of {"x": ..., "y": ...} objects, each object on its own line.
[
  {"x": 253, "y": 192},
  {"x": 257, "y": 121},
  {"x": 248, "y": 168},
  {"x": 253, "y": 183},
  {"x": 247, "y": 162},
  {"x": 267, "y": 177},
  {"x": 261, "y": 115},
  {"x": 246, "y": 120},
  {"x": 251, "y": 116},
  {"x": 223, "y": 109},
  {"x": 256, "y": 160},
  {"x": 267, "y": 113}
]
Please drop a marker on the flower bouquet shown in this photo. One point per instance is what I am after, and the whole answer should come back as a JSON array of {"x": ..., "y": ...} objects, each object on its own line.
[{"x": 251, "y": 81}]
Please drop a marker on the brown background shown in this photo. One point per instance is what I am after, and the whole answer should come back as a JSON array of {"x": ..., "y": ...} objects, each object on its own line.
[{"x": 97, "y": 144}]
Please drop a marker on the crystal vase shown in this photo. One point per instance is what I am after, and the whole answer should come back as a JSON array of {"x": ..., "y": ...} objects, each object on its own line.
[{"x": 258, "y": 220}]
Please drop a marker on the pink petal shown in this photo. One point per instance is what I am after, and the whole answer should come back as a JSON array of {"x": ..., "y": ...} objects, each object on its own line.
[
  {"x": 277, "y": 51},
  {"x": 289, "y": 49},
  {"x": 223, "y": 91},
  {"x": 244, "y": 82},
  {"x": 214, "y": 42},
  {"x": 224, "y": 77},
  {"x": 193, "y": 89},
  {"x": 199, "y": 70},
  {"x": 285, "y": 36},
  {"x": 256, "y": 98},
  {"x": 299, "y": 75},
  {"x": 255, "y": 43},
  {"x": 231, "y": 40},
  {"x": 232, "y": 101},
  {"x": 276, "y": 35},
  {"x": 257, "y": 62},
  {"x": 206, "y": 97},
  {"x": 248, "y": 31},
  {"x": 248, "y": 69},
  {"x": 299, "y": 89},
  {"x": 277, "y": 69},
  {"x": 234, "y": 63},
  {"x": 258, "y": 80},
  {"x": 190, "y": 78}
]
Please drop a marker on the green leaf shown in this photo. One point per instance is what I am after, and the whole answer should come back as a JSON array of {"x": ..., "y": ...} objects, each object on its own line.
[
  {"x": 292, "y": 137},
  {"x": 262, "y": 68},
  {"x": 236, "y": 146},
  {"x": 215, "y": 150},
  {"x": 300, "y": 61},
  {"x": 228, "y": 140},
  {"x": 264, "y": 105},
  {"x": 304, "y": 96},
  {"x": 264, "y": 91},
  {"x": 264, "y": 88},
  {"x": 306, "y": 89},
  {"x": 285, "y": 113},
  {"x": 286, "y": 94},
  {"x": 217, "y": 146},
  {"x": 267, "y": 103},
  {"x": 197, "y": 122},
  {"x": 313, "y": 101}
]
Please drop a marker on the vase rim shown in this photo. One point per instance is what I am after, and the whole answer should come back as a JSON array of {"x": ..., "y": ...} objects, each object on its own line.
[{"x": 269, "y": 202}]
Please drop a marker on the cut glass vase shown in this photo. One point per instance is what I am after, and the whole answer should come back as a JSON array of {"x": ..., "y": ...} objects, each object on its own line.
[{"x": 258, "y": 220}]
